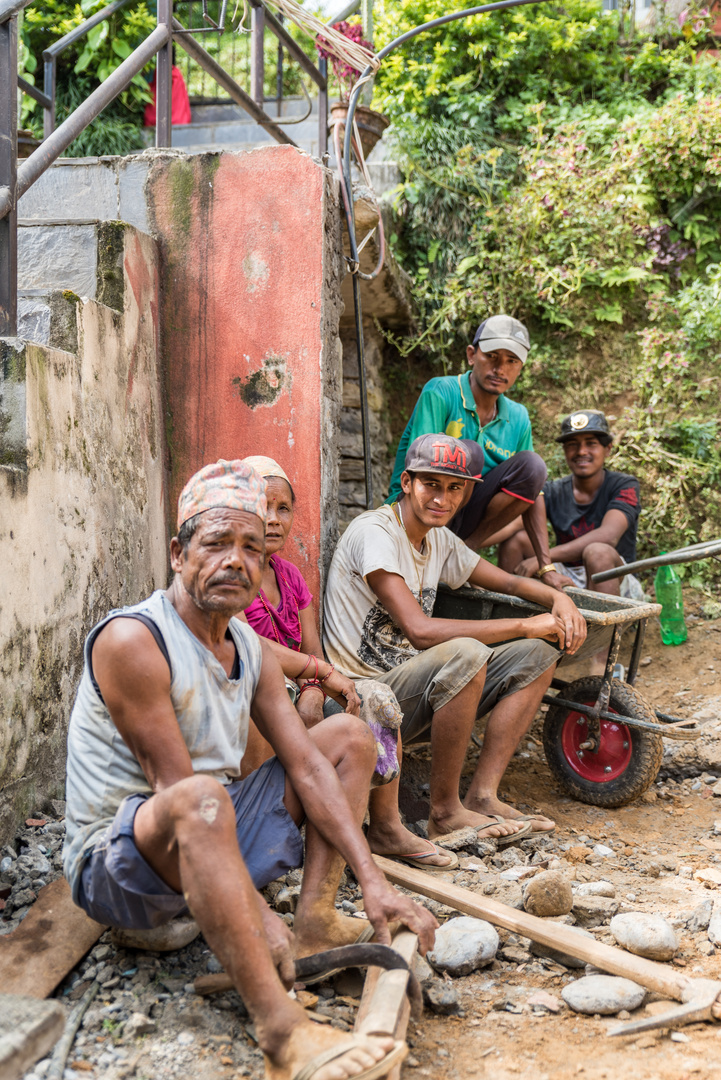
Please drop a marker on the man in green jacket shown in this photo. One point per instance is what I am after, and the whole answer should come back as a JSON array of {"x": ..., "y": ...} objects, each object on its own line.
[{"x": 474, "y": 406}]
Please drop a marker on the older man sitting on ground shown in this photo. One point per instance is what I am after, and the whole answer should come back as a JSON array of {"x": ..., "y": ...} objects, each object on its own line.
[{"x": 158, "y": 820}]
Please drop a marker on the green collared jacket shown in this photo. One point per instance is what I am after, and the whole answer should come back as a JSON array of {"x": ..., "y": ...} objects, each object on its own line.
[{"x": 446, "y": 405}]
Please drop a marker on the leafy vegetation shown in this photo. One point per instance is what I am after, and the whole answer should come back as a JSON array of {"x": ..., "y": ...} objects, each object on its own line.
[{"x": 560, "y": 168}]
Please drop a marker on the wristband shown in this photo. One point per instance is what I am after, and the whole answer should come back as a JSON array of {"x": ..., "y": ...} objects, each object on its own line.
[
  {"x": 546, "y": 569},
  {"x": 332, "y": 669},
  {"x": 311, "y": 684}
]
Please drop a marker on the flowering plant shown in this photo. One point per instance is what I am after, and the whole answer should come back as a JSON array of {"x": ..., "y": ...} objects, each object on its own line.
[{"x": 345, "y": 72}]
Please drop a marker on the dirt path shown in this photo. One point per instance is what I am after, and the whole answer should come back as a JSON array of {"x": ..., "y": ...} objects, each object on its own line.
[{"x": 656, "y": 844}]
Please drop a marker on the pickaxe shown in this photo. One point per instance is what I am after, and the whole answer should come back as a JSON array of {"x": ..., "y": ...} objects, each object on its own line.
[{"x": 701, "y": 998}]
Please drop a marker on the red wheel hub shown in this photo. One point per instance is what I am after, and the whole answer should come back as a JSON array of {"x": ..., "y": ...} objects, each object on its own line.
[{"x": 609, "y": 760}]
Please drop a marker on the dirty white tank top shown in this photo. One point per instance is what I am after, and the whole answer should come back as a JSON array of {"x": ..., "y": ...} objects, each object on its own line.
[{"x": 212, "y": 711}]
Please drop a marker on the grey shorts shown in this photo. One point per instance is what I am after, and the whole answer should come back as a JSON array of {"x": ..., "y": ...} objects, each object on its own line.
[
  {"x": 119, "y": 888},
  {"x": 428, "y": 681},
  {"x": 631, "y": 588}
]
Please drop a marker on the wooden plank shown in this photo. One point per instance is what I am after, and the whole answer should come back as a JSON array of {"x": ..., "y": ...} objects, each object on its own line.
[
  {"x": 28, "y": 1030},
  {"x": 615, "y": 961},
  {"x": 52, "y": 938},
  {"x": 384, "y": 1008}
]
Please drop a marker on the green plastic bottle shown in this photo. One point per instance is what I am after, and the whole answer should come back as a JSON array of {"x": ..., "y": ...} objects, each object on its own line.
[{"x": 667, "y": 586}]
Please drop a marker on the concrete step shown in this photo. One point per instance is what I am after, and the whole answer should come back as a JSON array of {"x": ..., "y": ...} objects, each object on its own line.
[{"x": 291, "y": 106}]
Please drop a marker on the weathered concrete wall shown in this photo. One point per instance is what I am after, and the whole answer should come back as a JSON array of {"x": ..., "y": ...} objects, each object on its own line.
[
  {"x": 82, "y": 507},
  {"x": 251, "y": 305}
]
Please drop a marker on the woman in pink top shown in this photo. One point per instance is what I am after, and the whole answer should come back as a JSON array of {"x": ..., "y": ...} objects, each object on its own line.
[{"x": 282, "y": 613}]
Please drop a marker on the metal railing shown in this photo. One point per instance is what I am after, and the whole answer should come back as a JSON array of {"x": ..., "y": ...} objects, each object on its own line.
[{"x": 16, "y": 179}]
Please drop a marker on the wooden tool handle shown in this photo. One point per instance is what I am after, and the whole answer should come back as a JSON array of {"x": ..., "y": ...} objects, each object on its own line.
[
  {"x": 608, "y": 958},
  {"x": 213, "y": 984}
]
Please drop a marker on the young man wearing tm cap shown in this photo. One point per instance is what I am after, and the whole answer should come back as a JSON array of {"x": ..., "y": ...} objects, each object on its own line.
[
  {"x": 158, "y": 819},
  {"x": 444, "y": 673},
  {"x": 593, "y": 511},
  {"x": 474, "y": 406}
]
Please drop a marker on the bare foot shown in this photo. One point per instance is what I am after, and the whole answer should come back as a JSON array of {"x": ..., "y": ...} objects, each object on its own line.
[
  {"x": 440, "y": 825},
  {"x": 398, "y": 840},
  {"x": 330, "y": 931},
  {"x": 307, "y": 1040},
  {"x": 539, "y": 822}
]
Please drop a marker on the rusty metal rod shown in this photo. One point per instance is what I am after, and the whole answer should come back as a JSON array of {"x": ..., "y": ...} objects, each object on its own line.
[
  {"x": 204, "y": 60},
  {"x": 669, "y": 558},
  {"x": 33, "y": 92},
  {"x": 52, "y": 147},
  {"x": 294, "y": 49}
]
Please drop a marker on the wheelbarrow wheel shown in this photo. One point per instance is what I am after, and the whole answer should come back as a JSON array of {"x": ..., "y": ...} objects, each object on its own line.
[{"x": 628, "y": 759}]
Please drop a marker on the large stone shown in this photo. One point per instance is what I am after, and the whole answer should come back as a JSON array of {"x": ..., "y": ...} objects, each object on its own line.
[
  {"x": 645, "y": 935},
  {"x": 557, "y": 955},
  {"x": 167, "y": 938},
  {"x": 548, "y": 894},
  {"x": 604, "y": 994},
  {"x": 591, "y": 911},
  {"x": 463, "y": 945},
  {"x": 28, "y": 1030}
]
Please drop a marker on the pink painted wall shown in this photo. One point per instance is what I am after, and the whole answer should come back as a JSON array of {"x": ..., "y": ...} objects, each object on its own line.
[{"x": 248, "y": 318}]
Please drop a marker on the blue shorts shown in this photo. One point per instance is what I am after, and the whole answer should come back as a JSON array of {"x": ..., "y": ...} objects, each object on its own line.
[{"x": 119, "y": 888}]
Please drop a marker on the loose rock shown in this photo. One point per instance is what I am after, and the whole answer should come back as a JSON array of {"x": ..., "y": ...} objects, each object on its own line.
[
  {"x": 595, "y": 888},
  {"x": 604, "y": 994},
  {"x": 645, "y": 935},
  {"x": 701, "y": 917},
  {"x": 709, "y": 874},
  {"x": 463, "y": 945},
  {"x": 441, "y": 997},
  {"x": 591, "y": 911},
  {"x": 714, "y": 926},
  {"x": 138, "y": 1024},
  {"x": 561, "y": 957},
  {"x": 548, "y": 894}
]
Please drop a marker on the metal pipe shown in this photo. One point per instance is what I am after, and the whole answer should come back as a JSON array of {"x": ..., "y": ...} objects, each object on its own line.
[
  {"x": 33, "y": 92},
  {"x": 53, "y": 146},
  {"x": 670, "y": 558},
  {"x": 279, "y": 75},
  {"x": 80, "y": 31},
  {"x": 257, "y": 56},
  {"x": 10, "y": 8},
  {"x": 8, "y": 177},
  {"x": 204, "y": 60},
  {"x": 294, "y": 49},
  {"x": 365, "y": 426},
  {"x": 164, "y": 79},
  {"x": 323, "y": 110},
  {"x": 50, "y": 80},
  {"x": 349, "y": 9}
]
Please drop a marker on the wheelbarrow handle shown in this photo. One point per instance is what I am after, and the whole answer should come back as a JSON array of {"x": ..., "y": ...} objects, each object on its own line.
[{"x": 670, "y": 558}]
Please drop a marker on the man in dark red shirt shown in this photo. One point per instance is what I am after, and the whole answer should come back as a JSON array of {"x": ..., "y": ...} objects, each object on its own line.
[{"x": 593, "y": 511}]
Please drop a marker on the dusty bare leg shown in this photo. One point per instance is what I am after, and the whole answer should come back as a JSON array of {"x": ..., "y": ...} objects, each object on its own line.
[
  {"x": 187, "y": 834},
  {"x": 507, "y": 724},
  {"x": 350, "y": 747},
  {"x": 450, "y": 734},
  {"x": 514, "y": 550},
  {"x": 598, "y": 557},
  {"x": 387, "y": 835}
]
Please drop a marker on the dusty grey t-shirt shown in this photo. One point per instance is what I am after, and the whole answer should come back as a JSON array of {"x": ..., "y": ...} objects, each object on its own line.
[{"x": 359, "y": 635}]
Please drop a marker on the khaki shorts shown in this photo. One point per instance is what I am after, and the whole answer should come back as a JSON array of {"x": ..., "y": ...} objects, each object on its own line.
[{"x": 428, "y": 681}]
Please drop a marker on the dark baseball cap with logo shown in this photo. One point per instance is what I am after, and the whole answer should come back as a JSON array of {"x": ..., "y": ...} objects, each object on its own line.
[
  {"x": 585, "y": 422},
  {"x": 503, "y": 332},
  {"x": 462, "y": 458}
]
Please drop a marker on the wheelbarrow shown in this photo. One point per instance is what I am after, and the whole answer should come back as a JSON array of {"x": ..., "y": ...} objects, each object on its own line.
[{"x": 603, "y": 740}]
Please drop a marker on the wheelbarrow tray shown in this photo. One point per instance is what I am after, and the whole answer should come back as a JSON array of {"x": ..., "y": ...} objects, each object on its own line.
[{"x": 598, "y": 609}]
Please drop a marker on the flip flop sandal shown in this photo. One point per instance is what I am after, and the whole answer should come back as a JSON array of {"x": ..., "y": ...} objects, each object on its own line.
[
  {"x": 325, "y": 973},
  {"x": 415, "y": 860},
  {"x": 381, "y": 1068},
  {"x": 504, "y": 841}
]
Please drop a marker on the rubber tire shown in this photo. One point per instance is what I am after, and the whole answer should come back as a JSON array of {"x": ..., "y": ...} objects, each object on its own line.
[{"x": 646, "y": 746}]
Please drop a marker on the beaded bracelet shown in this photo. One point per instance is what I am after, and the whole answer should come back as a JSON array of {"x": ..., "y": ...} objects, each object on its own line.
[
  {"x": 315, "y": 661},
  {"x": 332, "y": 669}
]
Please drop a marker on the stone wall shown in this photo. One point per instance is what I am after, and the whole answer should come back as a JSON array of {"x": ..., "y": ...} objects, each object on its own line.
[{"x": 82, "y": 505}]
